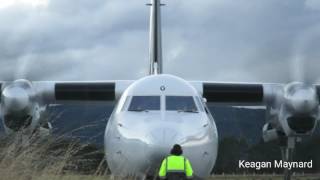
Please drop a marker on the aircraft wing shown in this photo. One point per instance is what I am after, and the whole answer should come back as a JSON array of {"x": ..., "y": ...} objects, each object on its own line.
[
  {"x": 236, "y": 94},
  {"x": 50, "y": 92},
  {"x": 63, "y": 92}
]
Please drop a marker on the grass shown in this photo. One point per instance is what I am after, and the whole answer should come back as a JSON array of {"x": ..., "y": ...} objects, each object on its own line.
[
  {"x": 49, "y": 158},
  {"x": 263, "y": 177},
  {"x": 226, "y": 177},
  {"x": 58, "y": 159}
]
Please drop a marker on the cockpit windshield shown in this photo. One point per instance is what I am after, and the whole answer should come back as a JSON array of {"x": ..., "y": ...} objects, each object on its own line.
[
  {"x": 181, "y": 103},
  {"x": 145, "y": 103}
]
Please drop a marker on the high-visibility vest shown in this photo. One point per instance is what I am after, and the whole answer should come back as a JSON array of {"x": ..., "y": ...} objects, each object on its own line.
[{"x": 175, "y": 164}]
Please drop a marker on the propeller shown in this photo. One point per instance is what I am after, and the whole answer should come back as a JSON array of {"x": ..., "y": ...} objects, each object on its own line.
[
  {"x": 301, "y": 99},
  {"x": 298, "y": 102},
  {"x": 22, "y": 69},
  {"x": 15, "y": 98},
  {"x": 301, "y": 59},
  {"x": 18, "y": 105},
  {"x": 300, "y": 111}
]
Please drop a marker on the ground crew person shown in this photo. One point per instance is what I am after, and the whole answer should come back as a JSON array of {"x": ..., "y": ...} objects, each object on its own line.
[{"x": 176, "y": 166}]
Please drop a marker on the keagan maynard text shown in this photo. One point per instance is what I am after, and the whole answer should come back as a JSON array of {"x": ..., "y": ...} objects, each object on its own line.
[{"x": 275, "y": 164}]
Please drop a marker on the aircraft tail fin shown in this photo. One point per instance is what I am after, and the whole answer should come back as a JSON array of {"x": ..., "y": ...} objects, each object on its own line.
[{"x": 155, "y": 44}]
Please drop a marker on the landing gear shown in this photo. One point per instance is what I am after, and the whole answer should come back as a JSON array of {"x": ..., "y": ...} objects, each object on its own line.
[
  {"x": 287, "y": 145},
  {"x": 150, "y": 177}
]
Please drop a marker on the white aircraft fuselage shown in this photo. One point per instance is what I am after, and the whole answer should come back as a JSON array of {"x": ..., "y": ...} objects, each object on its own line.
[{"x": 137, "y": 141}]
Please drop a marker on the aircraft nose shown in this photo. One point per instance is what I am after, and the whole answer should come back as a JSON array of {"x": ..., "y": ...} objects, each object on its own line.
[
  {"x": 160, "y": 143},
  {"x": 163, "y": 137}
]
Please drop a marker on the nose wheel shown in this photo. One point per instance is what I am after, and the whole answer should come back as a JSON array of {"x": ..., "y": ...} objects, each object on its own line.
[{"x": 287, "y": 145}]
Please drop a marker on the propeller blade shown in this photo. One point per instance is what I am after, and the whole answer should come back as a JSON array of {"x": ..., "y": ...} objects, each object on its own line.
[
  {"x": 0, "y": 91},
  {"x": 318, "y": 91}
]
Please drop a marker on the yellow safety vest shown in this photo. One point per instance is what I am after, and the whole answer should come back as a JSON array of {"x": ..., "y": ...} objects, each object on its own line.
[{"x": 175, "y": 164}]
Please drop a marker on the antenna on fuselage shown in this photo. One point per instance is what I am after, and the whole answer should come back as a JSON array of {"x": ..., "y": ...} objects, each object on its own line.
[{"x": 155, "y": 46}]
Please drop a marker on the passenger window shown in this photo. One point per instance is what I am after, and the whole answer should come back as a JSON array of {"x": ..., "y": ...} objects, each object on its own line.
[
  {"x": 145, "y": 103},
  {"x": 181, "y": 103}
]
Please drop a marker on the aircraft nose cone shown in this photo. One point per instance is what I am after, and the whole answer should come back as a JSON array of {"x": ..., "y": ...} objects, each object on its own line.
[
  {"x": 160, "y": 143},
  {"x": 164, "y": 138}
]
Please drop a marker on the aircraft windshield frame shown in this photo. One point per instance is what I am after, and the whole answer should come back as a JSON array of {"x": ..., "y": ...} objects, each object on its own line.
[
  {"x": 181, "y": 104},
  {"x": 145, "y": 103}
]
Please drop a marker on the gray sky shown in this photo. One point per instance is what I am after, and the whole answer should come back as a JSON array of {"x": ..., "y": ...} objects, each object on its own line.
[{"x": 218, "y": 40}]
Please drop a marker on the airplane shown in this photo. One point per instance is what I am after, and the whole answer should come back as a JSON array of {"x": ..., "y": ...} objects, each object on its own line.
[{"x": 159, "y": 110}]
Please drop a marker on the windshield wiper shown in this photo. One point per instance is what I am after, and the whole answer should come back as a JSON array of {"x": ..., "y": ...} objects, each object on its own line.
[
  {"x": 188, "y": 111},
  {"x": 139, "y": 110}
]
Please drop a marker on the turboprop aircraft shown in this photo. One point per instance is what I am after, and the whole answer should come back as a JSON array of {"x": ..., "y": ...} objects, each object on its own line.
[{"x": 159, "y": 110}]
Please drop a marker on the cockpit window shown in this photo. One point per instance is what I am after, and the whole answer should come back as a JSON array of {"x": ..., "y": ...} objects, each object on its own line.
[
  {"x": 145, "y": 103},
  {"x": 198, "y": 101},
  {"x": 181, "y": 103}
]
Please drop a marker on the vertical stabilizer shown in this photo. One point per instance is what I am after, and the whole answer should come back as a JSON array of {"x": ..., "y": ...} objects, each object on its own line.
[{"x": 155, "y": 46}]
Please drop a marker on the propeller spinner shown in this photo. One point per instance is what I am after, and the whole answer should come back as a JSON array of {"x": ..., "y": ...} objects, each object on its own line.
[
  {"x": 300, "y": 111},
  {"x": 18, "y": 105}
]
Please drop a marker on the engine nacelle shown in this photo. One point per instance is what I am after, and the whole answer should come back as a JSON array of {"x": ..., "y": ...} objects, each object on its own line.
[
  {"x": 299, "y": 113},
  {"x": 16, "y": 122},
  {"x": 294, "y": 111},
  {"x": 19, "y": 109},
  {"x": 299, "y": 125}
]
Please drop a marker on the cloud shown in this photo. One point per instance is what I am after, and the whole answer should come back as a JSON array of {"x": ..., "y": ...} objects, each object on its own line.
[
  {"x": 219, "y": 40},
  {"x": 313, "y": 4},
  {"x": 30, "y": 3},
  {"x": 244, "y": 41}
]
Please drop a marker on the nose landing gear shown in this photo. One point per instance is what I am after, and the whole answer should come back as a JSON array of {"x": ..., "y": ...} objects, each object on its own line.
[{"x": 287, "y": 145}]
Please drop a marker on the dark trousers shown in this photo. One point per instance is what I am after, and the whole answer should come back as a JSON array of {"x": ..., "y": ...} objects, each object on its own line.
[{"x": 176, "y": 176}]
